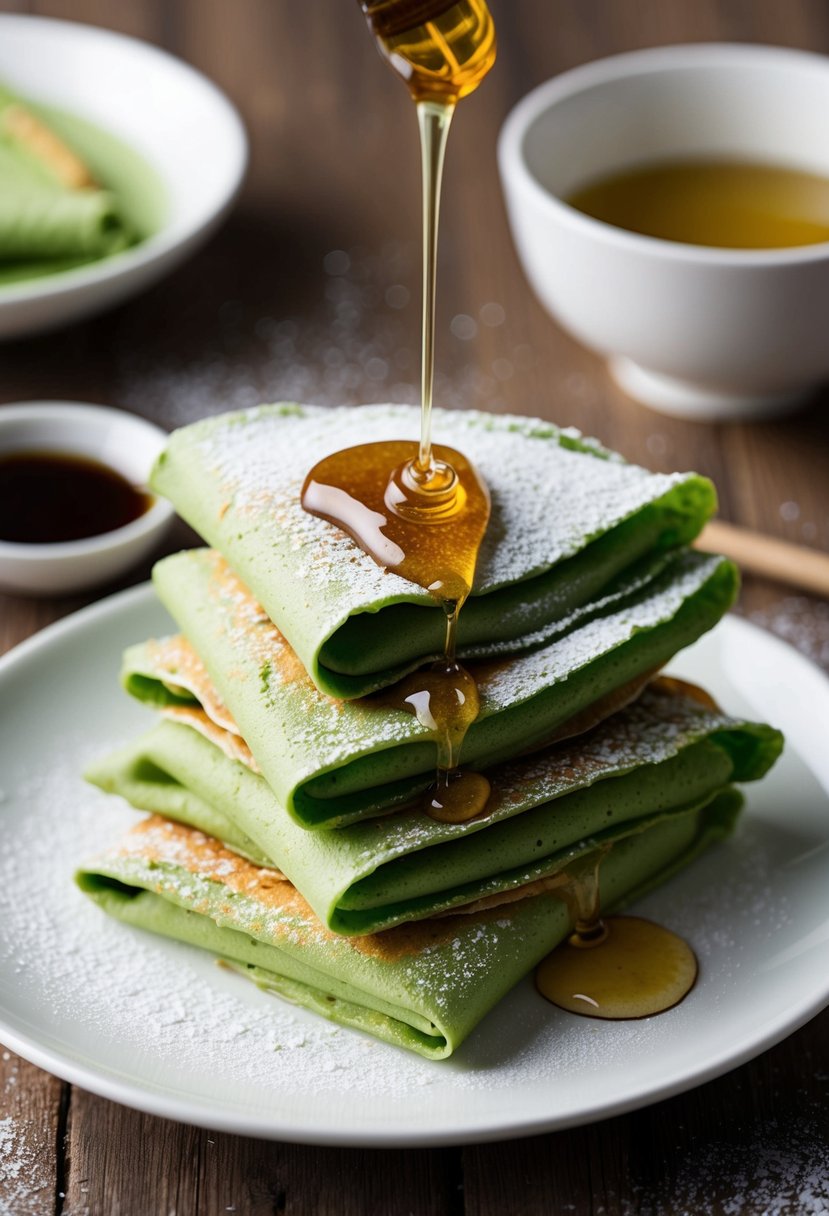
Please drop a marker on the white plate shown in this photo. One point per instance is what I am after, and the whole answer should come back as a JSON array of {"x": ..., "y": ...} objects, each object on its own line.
[
  {"x": 158, "y": 1026},
  {"x": 181, "y": 124}
]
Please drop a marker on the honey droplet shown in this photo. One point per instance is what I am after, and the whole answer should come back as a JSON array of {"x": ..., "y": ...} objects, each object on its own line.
[
  {"x": 458, "y": 796},
  {"x": 425, "y": 494},
  {"x": 425, "y": 523},
  {"x": 634, "y": 970},
  {"x": 367, "y": 492},
  {"x": 444, "y": 699},
  {"x": 441, "y": 694}
]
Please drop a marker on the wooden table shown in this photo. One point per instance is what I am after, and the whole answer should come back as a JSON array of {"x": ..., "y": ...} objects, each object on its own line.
[{"x": 311, "y": 292}]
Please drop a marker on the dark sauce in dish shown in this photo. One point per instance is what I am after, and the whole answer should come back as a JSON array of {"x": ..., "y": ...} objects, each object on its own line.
[{"x": 51, "y": 497}]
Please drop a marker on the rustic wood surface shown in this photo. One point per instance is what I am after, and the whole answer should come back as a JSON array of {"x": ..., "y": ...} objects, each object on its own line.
[{"x": 311, "y": 292}]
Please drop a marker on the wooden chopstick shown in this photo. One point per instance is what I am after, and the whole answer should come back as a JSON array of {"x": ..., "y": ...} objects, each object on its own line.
[{"x": 796, "y": 565}]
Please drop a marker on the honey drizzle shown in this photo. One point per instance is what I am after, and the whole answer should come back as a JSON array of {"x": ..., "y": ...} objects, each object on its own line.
[
  {"x": 614, "y": 968},
  {"x": 351, "y": 489},
  {"x": 433, "y": 119},
  {"x": 422, "y": 513},
  {"x": 442, "y": 49}
]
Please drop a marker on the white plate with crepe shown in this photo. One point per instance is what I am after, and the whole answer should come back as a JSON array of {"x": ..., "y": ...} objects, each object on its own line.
[
  {"x": 158, "y": 1026},
  {"x": 179, "y": 123}
]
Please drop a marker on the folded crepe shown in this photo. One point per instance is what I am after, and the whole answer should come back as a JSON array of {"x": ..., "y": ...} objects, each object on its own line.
[
  {"x": 423, "y": 986},
  {"x": 276, "y": 720},
  {"x": 666, "y": 755},
  {"x": 43, "y": 224},
  {"x": 50, "y": 209},
  {"x": 569, "y": 519},
  {"x": 332, "y": 762}
]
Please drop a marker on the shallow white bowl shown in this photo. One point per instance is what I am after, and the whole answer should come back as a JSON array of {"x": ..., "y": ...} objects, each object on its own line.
[
  {"x": 168, "y": 113},
  {"x": 124, "y": 442},
  {"x": 690, "y": 330}
]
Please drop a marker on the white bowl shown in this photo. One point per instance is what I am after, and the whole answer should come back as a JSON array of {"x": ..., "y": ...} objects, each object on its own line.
[
  {"x": 169, "y": 114},
  {"x": 690, "y": 330},
  {"x": 123, "y": 442}
]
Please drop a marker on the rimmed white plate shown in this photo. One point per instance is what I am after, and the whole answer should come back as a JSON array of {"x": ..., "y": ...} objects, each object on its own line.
[
  {"x": 158, "y": 1026},
  {"x": 175, "y": 118}
]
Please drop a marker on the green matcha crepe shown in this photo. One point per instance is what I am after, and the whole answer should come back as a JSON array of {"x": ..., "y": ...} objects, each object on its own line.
[
  {"x": 50, "y": 209},
  {"x": 422, "y": 986},
  {"x": 38, "y": 222},
  {"x": 569, "y": 519},
  {"x": 331, "y": 762},
  {"x": 666, "y": 755}
]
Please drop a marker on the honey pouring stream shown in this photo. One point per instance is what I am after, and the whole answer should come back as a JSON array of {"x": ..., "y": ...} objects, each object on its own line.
[{"x": 422, "y": 510}]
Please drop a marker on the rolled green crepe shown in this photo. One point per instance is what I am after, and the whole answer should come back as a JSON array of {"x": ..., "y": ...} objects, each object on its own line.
[
  {"x": 60, "y": 225},
  {"x": 568, "y": 519},
  {"x": 332, "y": 762},
  {"x": 665, "y": 755},
  {"x": 41, "y": 219},
  {"x": 423, "y": 986}
]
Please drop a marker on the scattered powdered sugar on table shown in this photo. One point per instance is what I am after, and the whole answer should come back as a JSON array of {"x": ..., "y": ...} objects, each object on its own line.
[
  {"x": 25, "y": 1187},
  {"x": 780, "y": 1171}
]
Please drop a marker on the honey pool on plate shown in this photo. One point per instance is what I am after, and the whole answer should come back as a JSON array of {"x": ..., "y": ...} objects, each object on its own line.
[{"x": 719, "y": 203}]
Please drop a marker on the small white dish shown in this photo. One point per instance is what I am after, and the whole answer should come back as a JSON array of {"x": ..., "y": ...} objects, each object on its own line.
[
  {"x": 123, "y": 442},
  {"x": 172, "y": 116},
  {"x": 689, "y": 330}
]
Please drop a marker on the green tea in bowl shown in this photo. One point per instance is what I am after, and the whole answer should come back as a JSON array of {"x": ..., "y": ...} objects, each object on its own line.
[{"x": 729, "y": 204}]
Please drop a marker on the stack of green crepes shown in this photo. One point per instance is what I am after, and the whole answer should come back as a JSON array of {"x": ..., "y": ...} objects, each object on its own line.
[{"x": 288, "y": 836}]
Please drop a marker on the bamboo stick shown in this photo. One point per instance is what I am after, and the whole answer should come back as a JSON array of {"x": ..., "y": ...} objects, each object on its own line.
[{"x": 796, "y": 565}]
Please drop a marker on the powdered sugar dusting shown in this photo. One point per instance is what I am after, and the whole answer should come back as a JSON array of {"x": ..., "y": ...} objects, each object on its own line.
[
  {"x": 526, "y": 675},
  {"x": 25, "y": 1183},
  {"x": 551, "y": 490},
  {"x": 657, "y": 726},
  {"x": 309, "y": 733},
  {"x": 780, "y": 1170},
  {"x": 147, "y": 1008},
  {"x": 261, "y": 460},
  {"x": 126, "y": 985}
]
